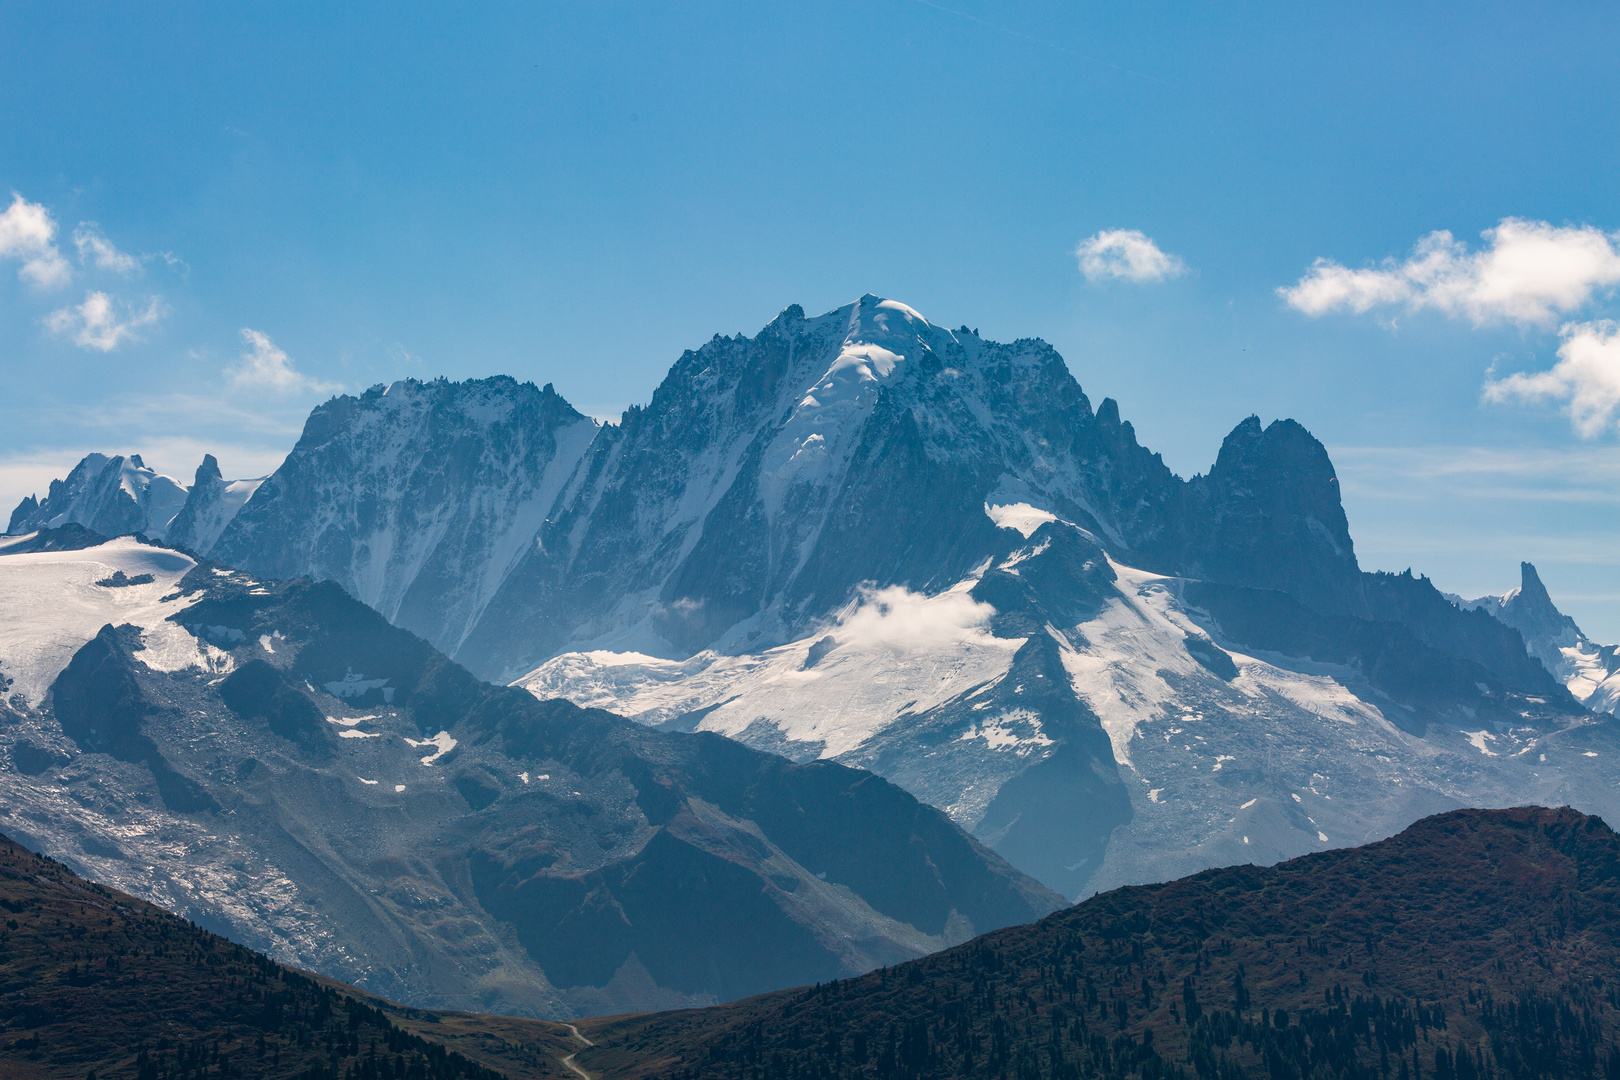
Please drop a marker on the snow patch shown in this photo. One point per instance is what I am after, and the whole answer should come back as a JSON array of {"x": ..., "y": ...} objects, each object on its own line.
[
  {"x": 1002, "y": 732},
  {"x": 353, "y": 685},
  {"x": 350, "y": 721},
  {"x": 1021, "y": 516},
  {"x": 442, "y": 744}
]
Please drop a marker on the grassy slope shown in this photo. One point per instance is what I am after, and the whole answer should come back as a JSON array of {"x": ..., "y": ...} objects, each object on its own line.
[{"x": 1475, "y": 944}]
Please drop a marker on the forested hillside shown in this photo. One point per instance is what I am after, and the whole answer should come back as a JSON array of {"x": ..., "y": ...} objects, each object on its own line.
[{"x": 1476, "y": 945}]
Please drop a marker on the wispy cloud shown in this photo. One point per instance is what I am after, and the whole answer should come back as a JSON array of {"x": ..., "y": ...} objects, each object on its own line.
[
  {"x": 1126, "y": 255},
  {"x": 28, "y": 234},
  {"x": 1487, "y": 474},
  {"x": 1526, "y": 272},
  {"x": 98, "y": 324},
  {"x": 139, "y": 416},
  {"x": 98, "y": 251},
  {"x": 263, "y": 366},
  {"x": 1586, "y": 378}
]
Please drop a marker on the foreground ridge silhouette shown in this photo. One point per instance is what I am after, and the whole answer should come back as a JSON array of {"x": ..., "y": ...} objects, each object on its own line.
[
  {"x": 94, "y": 982},
  {"x": 1476, "y": 945}
]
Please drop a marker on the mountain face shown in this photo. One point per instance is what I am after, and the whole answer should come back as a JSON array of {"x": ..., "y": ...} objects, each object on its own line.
[
  {"x": 210, "y": 505},
  {"x": 1590, "y": 671},
  {"x": 277, "y": 762},
  {"x": 417, "y": 498},
  {"x": 1473, "y": 946},
  {"x": 770, "y": 478}
]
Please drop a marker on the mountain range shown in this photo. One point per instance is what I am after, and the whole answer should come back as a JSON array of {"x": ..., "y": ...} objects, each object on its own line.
[
  {"x": 859, "y": 543},
  {"x": 1475, "y": 945}
]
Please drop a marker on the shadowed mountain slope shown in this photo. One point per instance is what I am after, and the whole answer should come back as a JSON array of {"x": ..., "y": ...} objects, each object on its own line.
[
  {"x": 93, "y": 981},
  {"x": 278, "y": 762}
]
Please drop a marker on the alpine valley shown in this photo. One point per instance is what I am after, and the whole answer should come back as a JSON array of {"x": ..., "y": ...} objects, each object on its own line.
[{"x": 852, "y": 544}]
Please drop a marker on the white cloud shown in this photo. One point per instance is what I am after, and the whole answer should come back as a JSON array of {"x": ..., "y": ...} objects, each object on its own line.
[
  {"x": 1527, "y": 272},
  {"x": 96, "y": 248},
  {"x": 28, "y": 233},
  {"x": 265, "y": 367},
  {"x": 1127, "y": 254},
  {"x": 899, "y": 619},
  {"x": 1586, "y": 378},
  {"x": 96, "y": 323}
]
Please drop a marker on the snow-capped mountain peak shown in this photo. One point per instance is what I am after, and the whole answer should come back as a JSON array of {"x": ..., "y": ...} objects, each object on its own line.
[
  {"x": 1589, "y": 670},
  {"x": 108, "y": 495},
  {"x": 116, "y": 496}
]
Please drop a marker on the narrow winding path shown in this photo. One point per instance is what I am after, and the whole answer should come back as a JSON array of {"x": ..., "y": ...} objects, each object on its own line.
[{"x": 569, "y": 1060}]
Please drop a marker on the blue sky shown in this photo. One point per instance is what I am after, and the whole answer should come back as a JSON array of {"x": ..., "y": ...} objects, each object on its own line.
[{"x": 574, "y": 193}]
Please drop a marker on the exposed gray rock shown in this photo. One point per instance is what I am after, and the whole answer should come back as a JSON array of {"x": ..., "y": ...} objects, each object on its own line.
[{"x": 417, "y": 498}]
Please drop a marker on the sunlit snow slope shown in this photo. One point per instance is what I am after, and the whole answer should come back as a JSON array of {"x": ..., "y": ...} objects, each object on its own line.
[{"x": 52, "y": 602}]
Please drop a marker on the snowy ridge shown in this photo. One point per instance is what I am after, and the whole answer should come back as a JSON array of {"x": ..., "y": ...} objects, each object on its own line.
[
  {"x": 116, "y": 496},
  {"x": 822, "y": 696},
  {"x": 1224, "y": 752}
]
